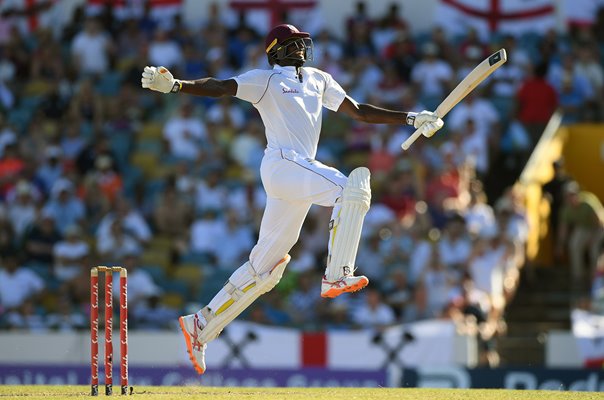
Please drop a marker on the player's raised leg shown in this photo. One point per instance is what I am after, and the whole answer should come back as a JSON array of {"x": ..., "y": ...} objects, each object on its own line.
[
  {"x": 279, "y": 231},
  {"x": 345, "y": 233},
  {"x": 240, "y": 291}
]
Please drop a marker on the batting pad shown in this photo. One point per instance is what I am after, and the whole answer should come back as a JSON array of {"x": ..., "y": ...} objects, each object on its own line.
[
  {"x": 243, "y": 287},
  {"x": 346, "y": 230}
]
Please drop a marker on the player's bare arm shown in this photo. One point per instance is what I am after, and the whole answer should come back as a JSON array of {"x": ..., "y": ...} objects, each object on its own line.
[
  {"x": 377, "y": 115},
  {"x": 371, "y": 114},
  {"x": 161, "y": 80},
  {"x": 210, "y": 87}
]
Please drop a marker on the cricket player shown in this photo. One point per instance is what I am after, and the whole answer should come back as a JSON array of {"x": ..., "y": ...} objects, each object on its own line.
[{"x": 290, "y": 99}]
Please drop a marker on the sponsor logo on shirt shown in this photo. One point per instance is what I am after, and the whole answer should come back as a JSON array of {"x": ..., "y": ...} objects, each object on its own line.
[{"x": 287, "y": 90}]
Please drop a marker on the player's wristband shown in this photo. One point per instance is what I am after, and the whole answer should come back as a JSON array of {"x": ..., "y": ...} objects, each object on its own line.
[
  {"x": 177, "y": 86},
  {"x": 411, "y": 118}
]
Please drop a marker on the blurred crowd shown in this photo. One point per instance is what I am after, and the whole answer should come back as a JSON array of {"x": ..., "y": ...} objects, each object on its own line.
[{"x": 96, "y": 171}]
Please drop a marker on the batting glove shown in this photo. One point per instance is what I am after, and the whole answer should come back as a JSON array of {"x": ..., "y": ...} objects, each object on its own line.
[
  {"x": 428, "y": 129},
  {"x": 160, "y": 80},
  {"x": 418, "y": 119},
  {"x": 427, "y": 121}
]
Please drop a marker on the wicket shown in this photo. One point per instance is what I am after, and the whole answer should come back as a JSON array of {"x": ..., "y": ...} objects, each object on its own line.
[{"x": 94, "y": 329}]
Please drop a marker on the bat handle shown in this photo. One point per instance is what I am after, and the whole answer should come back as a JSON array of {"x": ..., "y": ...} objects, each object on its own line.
[{"x": 407, "y": 143}]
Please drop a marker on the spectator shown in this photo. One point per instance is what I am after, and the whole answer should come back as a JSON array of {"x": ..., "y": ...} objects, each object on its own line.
[
  {"x": 390, "y": 26},
  {"x": 141, "y": 286},
  {"x": 488, "y": 265},
  {"x": 72, "y": 143},
  {"x": 7, "y": 134},
  {"x": 402, "y": 190},
  {"x": 39, "y": 241},
  {"x": 303, "y": 302},
  {"x": 92, "y": 49},
  {"x": 55, "y": 103},
  {"x": 455, "y": 246},
  {"x": 274, "y": 309},
  {"x": 132, "y": 221},
  {"x": 172, "y": 216},
  {"x": 18, "y": 284},
  {"x": 114, "y": 241},
  {"x": 431, "y": 75},
  {"x": 152, "y": 315},
  {"x": 70, "y": 254},
  {"x": 164, "y": 51},
  {"x": 391, "y": 88},
  {"x": 8, "y": 240},
  {"x": 22, "y": 210},
  {"x": 66, "y": 318},
  {"x": 206, "y": 232},
  {"x": 473, "y": 306},
  {"x": 97, "y": 207},
  {"x": 473, "y": 47},
  {"x": 536, "y": 101},
  {"x": 467, "y": 147},
  {"x": 27, "y": 318},
  {"x": 303, "y": 260},
  {"x": 337, "y": 317},
  {"x": 51, "y": 169},
  {"x": 398, "y": 293},
  {"x": 553, "y": 191},
  {"x": 326, "y": 46},
  {"x": 359, "y": 42},
  {"x": 581, "y": 229},
  {"x": 370, "y": 253},
  {"x": 108, "y": 181},
  {"x": 439, "y": 282},
  {"x": 86, "y": 105},
  {"x": 506, "y": 80},
  {"x": 485, "y": 120},
  {"x": 211, "y": 194},
  {"x": 64, "y": 207},
  {"x": 12, "y": 166},
  {"x": 247, "y": 145},
  {"x": 237, "y": 240},
  {"x": 185, "y": 134},
  {"x": 572, "y": 98},
  {"x": 418, "y": 309},
  {"x": 225, "y": 113},
  {"x": 374, "y": 313},
  {"x": 587, "y": 65},
  {"x": 479, "y": 216}
]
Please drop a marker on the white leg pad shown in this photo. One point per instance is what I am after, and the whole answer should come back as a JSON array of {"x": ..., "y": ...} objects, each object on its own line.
[
  {"x": 346, "y": 227},
  {"x": 240, "y": 298}
]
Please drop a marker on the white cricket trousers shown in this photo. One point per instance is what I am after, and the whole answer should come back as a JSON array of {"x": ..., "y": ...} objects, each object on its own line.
[{"x": 292, "y": 184}]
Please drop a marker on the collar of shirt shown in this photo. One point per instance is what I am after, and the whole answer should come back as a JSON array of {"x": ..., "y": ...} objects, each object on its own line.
[{"x": 289, "y": 70}]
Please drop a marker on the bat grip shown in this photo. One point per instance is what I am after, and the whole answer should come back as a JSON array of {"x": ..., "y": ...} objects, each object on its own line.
[{"x": 407, "y": 143}]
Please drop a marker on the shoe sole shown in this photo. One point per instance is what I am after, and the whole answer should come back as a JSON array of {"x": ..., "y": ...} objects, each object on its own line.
[
  {"x": 332, "y": 293},
  {"x": 198, "y": 369}
]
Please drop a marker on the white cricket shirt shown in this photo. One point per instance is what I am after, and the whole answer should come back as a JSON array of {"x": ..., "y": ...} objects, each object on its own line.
[{"x": 290, "y": 109}]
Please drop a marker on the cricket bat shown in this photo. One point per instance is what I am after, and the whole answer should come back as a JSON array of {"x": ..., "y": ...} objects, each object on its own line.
[{"x": 473, "y": 79}]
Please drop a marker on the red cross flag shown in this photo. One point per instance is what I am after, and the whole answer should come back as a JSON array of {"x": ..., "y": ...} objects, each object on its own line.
[
  {"x": 588, "y": 330},
  {"x": 581, "y": 12},
  {"x": 161, "y": 10},
  {"x": 262, "y": 15},
  {"x": 488, "y": 16},
  {"x": 29, "y": 15}
]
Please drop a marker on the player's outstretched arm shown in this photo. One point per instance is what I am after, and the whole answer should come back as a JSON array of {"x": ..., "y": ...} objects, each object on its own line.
[
  {"x": 161, "y": 80},
  {"x": 377, "y": 115}
]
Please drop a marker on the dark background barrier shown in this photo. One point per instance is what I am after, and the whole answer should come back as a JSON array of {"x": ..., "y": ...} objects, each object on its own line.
[{"x": 505, "y": 378}]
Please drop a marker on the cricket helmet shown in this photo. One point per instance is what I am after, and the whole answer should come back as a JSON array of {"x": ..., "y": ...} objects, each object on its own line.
[{"x": 284, "y": 42}]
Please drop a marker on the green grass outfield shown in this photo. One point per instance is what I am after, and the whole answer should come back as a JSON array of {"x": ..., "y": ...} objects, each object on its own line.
[{"x": 171, "y": 392}]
